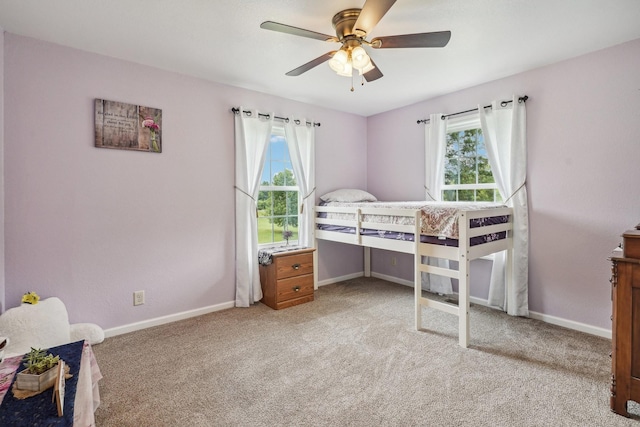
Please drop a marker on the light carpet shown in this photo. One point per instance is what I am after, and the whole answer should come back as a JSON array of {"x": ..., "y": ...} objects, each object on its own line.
[{"x": 353, "y": 358}]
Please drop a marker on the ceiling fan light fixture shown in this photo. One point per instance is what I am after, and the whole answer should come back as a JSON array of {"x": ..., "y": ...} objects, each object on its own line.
[
  {"x": 347, "y": 71},
  {"x": 359, "y": 57},
  {"x": 339, "y": 61}
]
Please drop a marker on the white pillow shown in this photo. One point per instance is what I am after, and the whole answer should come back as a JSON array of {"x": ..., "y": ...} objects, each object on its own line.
[{"x": 350, "y": 195}]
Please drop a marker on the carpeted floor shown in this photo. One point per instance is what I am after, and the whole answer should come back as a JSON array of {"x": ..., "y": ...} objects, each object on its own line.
[{"x": 353, "y": 358}]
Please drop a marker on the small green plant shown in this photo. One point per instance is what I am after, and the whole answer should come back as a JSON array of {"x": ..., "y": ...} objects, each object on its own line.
[{"x": 38, "y": 361}]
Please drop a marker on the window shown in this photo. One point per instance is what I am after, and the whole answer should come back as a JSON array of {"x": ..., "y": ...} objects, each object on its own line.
[
  {"x": 467, "y": 172},
  {"x": 278, "y": 200}
]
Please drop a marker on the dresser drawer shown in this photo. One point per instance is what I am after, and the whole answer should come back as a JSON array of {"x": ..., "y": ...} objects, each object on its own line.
[
  {"x": 293, "y": 265},
  {"x": 294, "y": 287}
]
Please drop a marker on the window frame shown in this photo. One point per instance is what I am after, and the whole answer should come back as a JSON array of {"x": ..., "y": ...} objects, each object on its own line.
[
  {"x": 278, "y": 130},
  {"x": 461, "y": 124}
]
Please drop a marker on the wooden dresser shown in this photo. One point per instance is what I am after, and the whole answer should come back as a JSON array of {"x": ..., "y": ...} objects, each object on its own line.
[
  {"x": 288, "y": 280},
  {"x": 625, "y": 352}
]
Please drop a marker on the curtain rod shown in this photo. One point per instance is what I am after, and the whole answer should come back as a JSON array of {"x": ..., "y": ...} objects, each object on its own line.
[
  {"x": 236, "y": 110},
  {"x": 502, "y": 104}
]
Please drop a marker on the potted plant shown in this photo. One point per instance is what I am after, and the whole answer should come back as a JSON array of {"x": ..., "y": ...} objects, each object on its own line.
[{"x": 38, "y": 374}]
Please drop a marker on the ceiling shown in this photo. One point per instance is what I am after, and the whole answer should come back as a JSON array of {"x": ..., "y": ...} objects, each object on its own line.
[{"x": 221, "y": 41}]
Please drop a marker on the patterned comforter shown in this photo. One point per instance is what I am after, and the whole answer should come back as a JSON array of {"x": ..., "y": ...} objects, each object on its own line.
[{"x": 439, "y": 219}]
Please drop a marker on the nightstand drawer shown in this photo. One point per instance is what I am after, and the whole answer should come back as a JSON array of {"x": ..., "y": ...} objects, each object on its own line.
[
  {"x": 288, "y": 280},
  {"x": 294, "y": 265},
  {"x": 294, "y": 287}
]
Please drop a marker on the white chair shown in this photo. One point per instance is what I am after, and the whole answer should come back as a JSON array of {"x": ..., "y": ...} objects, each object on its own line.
[{"x": 43, "y": 325}]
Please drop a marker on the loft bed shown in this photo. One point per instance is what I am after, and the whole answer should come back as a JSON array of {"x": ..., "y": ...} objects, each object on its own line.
[{"x": 455, "y": 231}]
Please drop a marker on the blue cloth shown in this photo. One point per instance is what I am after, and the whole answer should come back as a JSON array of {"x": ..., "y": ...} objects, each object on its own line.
[{"x": 40, "y": 410}]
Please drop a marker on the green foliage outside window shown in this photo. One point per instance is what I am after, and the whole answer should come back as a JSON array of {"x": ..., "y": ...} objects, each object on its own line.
[
  {"x": 281, "y": 206},
  {"x": 467, "y": 163},
  {"x": 277, "y": 203}
]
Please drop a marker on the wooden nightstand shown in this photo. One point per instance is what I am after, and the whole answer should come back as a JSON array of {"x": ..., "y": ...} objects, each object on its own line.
[{"x": 288, "y": 280}]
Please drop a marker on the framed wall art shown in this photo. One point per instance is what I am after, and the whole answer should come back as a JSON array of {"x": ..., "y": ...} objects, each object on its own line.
[{"x": 128, "y": 126}]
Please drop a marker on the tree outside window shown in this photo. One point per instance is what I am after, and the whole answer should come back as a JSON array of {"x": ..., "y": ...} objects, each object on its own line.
[{"x": 467, "y": 172}]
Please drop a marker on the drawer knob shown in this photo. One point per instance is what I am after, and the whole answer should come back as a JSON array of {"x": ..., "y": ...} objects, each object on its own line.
[
  {"x": 296, "y": 289},
  {"x": 296, "y": 266}
]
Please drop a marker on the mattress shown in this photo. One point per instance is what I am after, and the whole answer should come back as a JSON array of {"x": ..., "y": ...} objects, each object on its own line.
[{"x": 439, "y": 221}]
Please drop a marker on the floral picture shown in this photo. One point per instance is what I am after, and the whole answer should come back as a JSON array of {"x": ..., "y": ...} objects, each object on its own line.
[{"x": 127, "y": 126}]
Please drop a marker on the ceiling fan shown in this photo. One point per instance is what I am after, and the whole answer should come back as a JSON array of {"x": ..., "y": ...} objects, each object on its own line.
[{"x": 352, "y": 27}]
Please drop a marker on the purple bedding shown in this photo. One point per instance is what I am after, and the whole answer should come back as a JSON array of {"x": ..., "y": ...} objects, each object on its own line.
[
  {"x": 424, "y": 239},
  {"x": 437, "y": 240}
]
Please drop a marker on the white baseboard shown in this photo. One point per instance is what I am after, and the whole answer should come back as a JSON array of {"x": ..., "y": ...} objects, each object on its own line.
[
  {"x": 392, "y": 279},
  {"x": 339, "y": 279},
  {"x": 119, "y": 330},
  {"x": 409, "y": 283},
  {"x": 558, "y": 321},
  {"x": 569, "y": 324}
]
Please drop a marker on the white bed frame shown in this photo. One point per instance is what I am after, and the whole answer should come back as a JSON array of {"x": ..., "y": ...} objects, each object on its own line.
[{"x": 463, "y": 254}]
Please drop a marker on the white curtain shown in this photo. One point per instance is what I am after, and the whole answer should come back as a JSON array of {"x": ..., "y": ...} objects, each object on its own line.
[
  {"x": 252, "y": 134},
  {"x": 436, "y": 144},
  {"x": 504, "y": 130},
  {"x": 300, "y": 138}
]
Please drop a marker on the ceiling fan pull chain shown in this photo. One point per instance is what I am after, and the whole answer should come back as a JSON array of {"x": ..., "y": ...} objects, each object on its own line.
[{"x": 352, "y": 89}]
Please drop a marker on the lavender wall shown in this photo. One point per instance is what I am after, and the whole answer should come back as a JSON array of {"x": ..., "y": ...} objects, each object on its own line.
[
  {"x": 583, "y": 166},
  {"x": 93, "y": 225}
]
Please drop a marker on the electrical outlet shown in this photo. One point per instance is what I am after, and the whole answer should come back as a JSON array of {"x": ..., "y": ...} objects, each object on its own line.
[
  {"x": 394, "y": 261},
  {"x": 138, "y": 298}
]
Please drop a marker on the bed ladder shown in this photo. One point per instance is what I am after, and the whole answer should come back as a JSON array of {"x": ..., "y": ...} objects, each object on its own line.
[{"x": 462, "y": 274}]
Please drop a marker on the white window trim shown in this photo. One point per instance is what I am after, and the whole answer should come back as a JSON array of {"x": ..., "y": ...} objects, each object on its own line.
[
  {"x": 278, "y": 130},
  {"x": 459, "y": 124},
  {"x": 485, "y": 186},
  {"x": 279, "y": 188}
]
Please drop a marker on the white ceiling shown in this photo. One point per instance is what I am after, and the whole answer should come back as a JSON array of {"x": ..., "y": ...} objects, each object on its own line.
[{"x": 221, "y": 41}]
